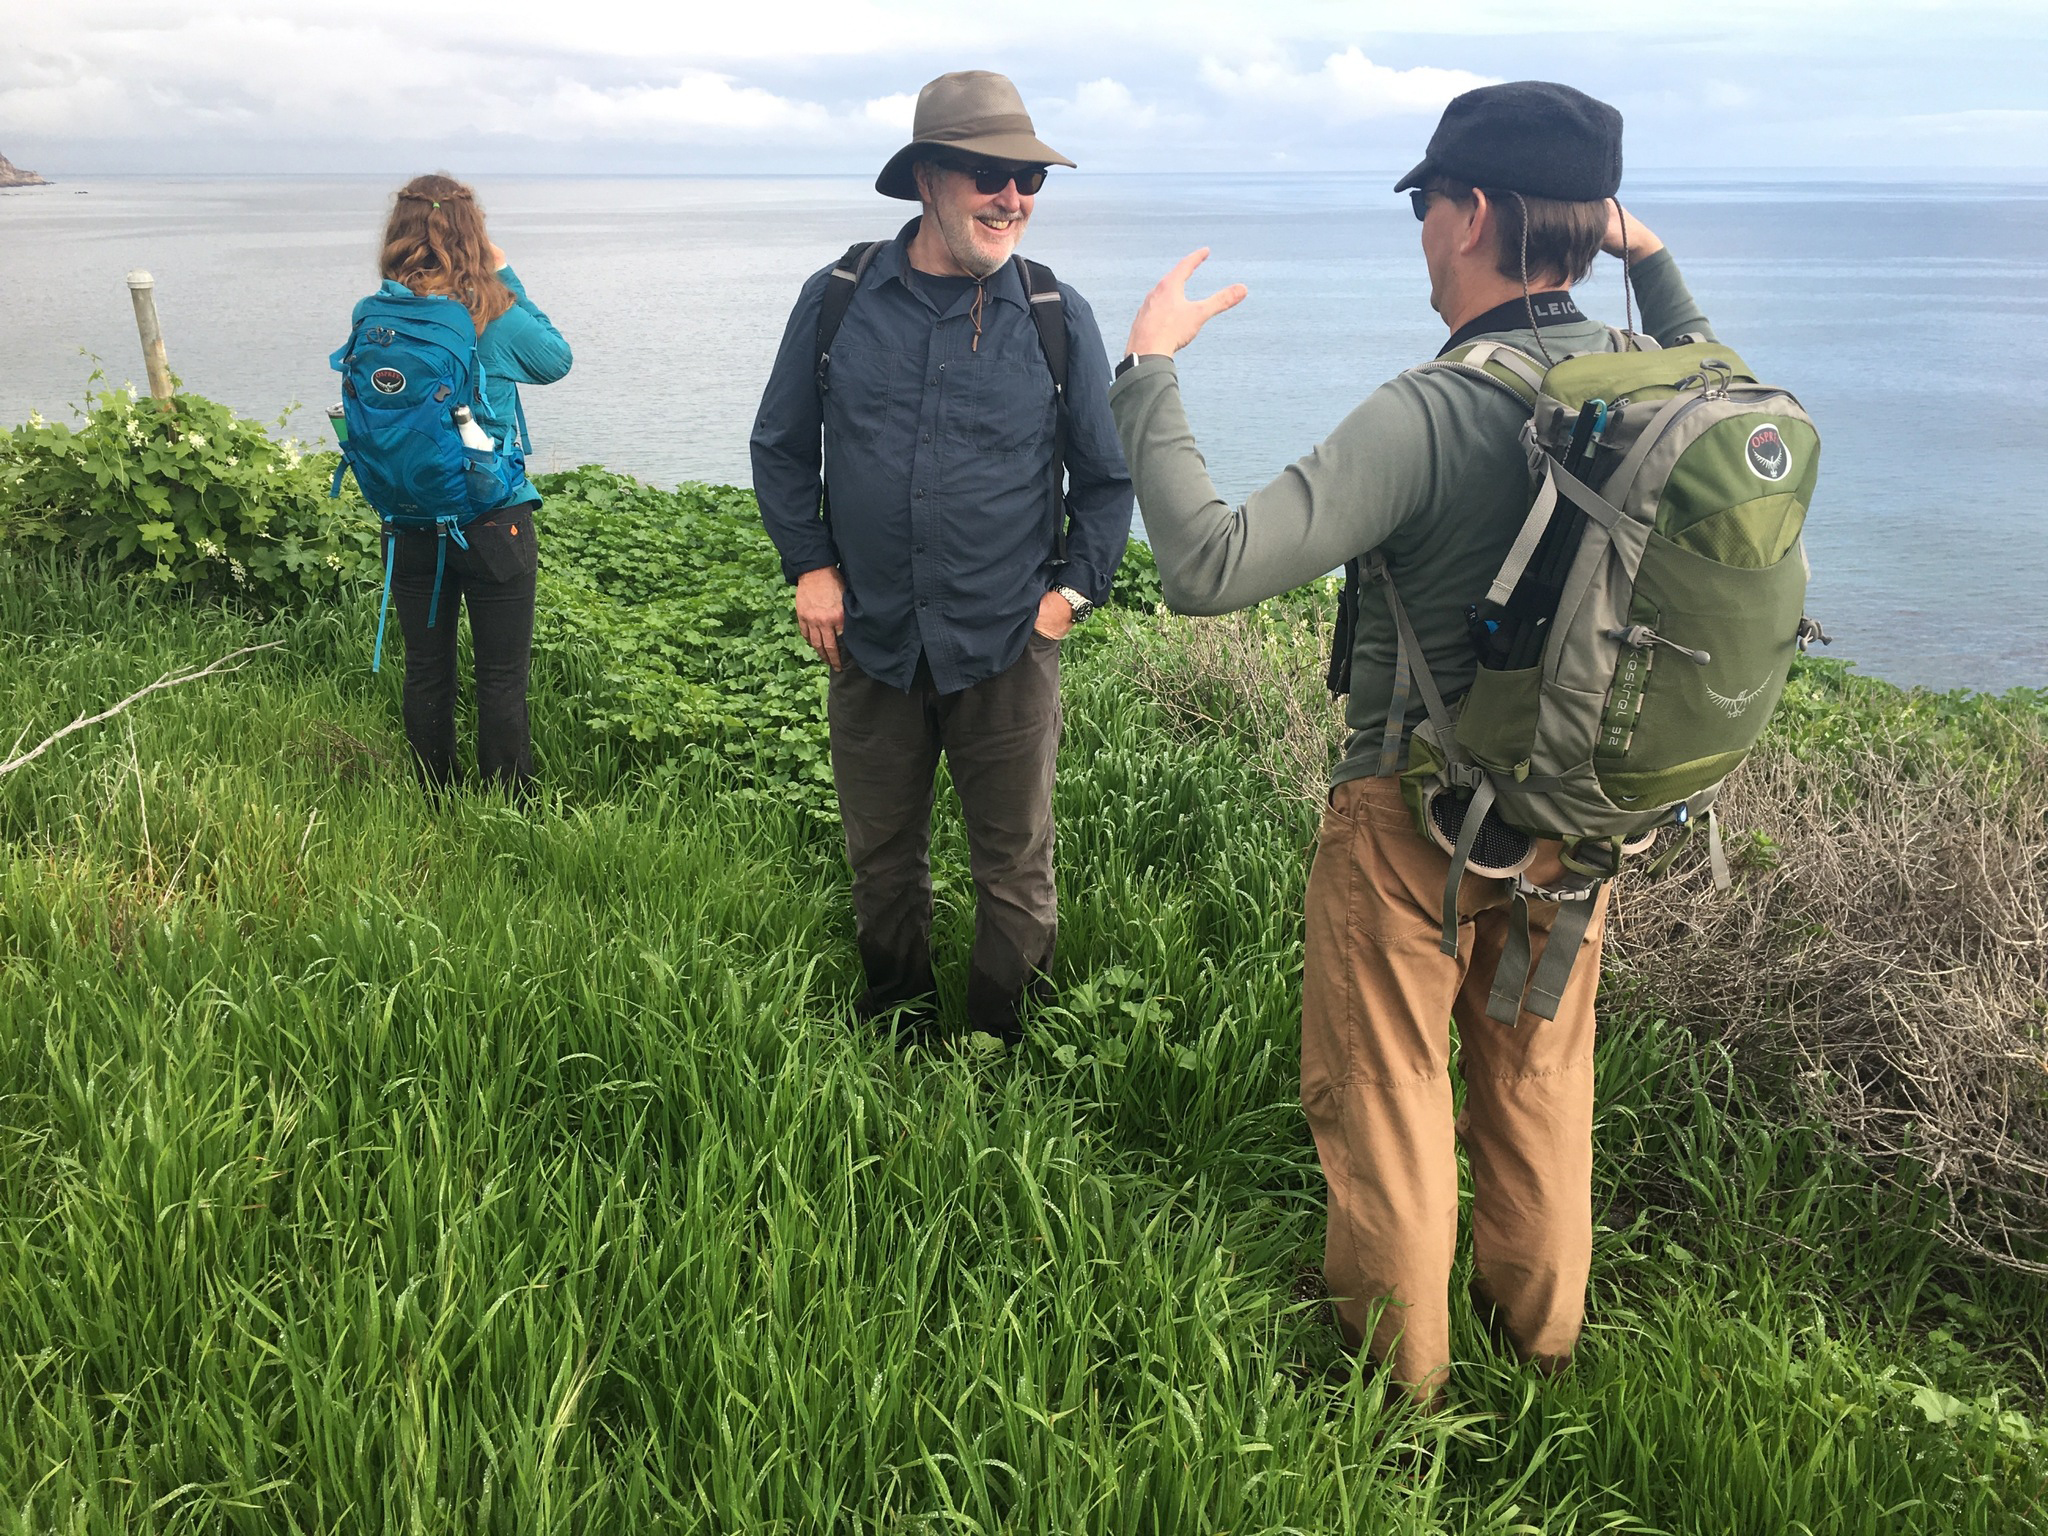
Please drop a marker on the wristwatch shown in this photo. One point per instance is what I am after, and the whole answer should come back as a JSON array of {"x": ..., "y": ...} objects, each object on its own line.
[
  {"x": 1131, "y": 360},
  {"x": 1081, "y": 606}
]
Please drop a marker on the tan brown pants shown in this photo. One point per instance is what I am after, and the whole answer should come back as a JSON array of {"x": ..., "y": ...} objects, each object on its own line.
[{"x": 1378, "y": 997}]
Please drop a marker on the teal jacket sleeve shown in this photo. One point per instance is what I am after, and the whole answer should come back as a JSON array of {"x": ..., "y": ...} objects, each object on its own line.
[{"x": 523, "y": 345}]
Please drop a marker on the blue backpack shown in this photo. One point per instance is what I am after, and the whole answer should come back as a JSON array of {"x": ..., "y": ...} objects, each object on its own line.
[{"x": 409, "y": 361}]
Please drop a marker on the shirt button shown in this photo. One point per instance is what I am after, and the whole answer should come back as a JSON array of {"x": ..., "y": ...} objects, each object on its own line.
[
  {"x": 917, "y": 549},
  {"x": 920, "y": 495},
  {"x": 927, "y": 437},
  {"x": 923, "y": 603}
]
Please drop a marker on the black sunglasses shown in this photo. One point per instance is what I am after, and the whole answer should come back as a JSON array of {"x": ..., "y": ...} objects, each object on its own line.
[
  {"x": 990, "y": 177},
  {"x": 1418, "y": 199}
]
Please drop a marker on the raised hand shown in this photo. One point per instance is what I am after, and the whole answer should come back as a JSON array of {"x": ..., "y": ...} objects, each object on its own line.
[
  {"x": 1168, "y": 319},
  {"x": 1642, "y": 241}
]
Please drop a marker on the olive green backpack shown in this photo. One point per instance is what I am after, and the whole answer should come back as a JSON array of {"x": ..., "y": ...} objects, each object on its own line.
[{"x": 1635, "y": 641}]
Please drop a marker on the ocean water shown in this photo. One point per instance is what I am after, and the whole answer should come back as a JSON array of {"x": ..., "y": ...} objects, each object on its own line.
[{"x": 1910, "y": 319}]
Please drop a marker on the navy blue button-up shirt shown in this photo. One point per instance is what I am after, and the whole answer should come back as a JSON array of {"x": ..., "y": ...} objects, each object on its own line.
[{"x": 939, "y": 454}]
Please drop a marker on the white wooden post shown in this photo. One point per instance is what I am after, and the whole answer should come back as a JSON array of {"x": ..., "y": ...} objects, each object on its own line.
[{"x": 142, "y": 289}]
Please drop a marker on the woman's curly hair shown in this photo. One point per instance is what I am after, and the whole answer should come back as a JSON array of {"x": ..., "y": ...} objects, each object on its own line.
[{"x": 435, "y": 242}]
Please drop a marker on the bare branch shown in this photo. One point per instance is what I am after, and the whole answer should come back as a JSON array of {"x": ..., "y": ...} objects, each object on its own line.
[{"x": 168, "y": 680}]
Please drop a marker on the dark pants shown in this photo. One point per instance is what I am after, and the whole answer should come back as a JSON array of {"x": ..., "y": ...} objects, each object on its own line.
[
  {"x": 494, "y": 578},
  {"x": 1001, "y": 738}
]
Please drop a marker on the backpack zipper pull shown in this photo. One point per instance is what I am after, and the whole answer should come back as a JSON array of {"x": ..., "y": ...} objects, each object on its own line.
[{"x": 1641, "y": 637}]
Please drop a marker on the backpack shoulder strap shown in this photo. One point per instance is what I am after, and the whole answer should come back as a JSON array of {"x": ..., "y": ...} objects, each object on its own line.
[
  {"x": 1501, "y": 365},
  {"x": 839, "y": 291},
  {"x": 1049, "y": 316},
  {"x": 1635, "y": 341}
]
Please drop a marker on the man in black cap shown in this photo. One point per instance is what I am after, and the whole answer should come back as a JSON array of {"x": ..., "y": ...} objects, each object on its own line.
[
  {"x": 955, "y": 390},
  {"x": 1514, "y": 197}
]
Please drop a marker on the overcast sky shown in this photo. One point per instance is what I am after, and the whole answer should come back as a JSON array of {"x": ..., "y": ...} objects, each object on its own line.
[{"x": 383, "y": 86}]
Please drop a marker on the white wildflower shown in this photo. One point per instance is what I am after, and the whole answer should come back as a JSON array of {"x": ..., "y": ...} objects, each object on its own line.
[
  {"x": 334, "y": 562},
  {"x": 35, "y": 418},
  {"x": 241, "y": 575},
  {"x": 196, "y": 439},
  {"x": 233, "y": 461},
  {"x": 208, "y": 548}
]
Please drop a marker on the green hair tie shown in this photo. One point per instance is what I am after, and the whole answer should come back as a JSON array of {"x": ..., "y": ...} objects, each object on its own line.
[{"x": 437, "y": 205}]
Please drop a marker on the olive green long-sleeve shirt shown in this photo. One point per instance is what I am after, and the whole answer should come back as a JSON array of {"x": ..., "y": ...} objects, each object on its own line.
[{"x": 1429, "y": 470}]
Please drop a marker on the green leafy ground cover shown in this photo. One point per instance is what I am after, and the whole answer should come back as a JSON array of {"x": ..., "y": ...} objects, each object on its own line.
[{"x": 367, "y": 1167}]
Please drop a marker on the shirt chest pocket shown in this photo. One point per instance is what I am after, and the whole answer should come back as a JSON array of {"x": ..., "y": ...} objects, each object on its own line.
[
  {"x": 1009, "y": 406},
  {"x": 867, "y": 391}
]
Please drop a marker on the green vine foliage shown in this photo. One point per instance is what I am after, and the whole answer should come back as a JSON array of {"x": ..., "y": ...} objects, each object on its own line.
[
  {"x": 663, "y": 624},
  {"x": 671, "y": 623},
  {"x": 193, "y": 495},
  {"x": 675, "y": 631}
]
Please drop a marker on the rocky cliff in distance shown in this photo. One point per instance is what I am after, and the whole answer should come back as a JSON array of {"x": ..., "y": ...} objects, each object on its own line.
[{"x": 12, "y": 175}]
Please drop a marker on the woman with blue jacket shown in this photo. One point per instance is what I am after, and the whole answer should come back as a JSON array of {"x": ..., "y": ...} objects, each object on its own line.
[{"x": 436, "y": 243}]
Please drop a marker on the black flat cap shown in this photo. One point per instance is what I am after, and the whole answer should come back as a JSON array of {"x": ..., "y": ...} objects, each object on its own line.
[{"x": 1530, "y": 136}]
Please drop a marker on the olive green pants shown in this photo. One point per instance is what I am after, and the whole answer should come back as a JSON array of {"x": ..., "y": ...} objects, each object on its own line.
[
  {"x": 1378, "y": 999},
  {"x": 1001, "y": 739}
]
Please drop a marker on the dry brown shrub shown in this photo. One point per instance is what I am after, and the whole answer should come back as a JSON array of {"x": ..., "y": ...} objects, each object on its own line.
[
  {"x": 1257, "y": 676},
  {"x": 1884, "y": 953}
]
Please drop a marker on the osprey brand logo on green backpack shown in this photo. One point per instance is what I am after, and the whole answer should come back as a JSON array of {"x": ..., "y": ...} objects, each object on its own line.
[
  {"x": 1635, "y": 641},
  {"x": 1767, "y": 453}
]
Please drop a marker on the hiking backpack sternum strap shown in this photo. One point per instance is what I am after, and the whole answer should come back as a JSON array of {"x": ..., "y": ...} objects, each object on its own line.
[
  {"x": 1637, "y": 636},
  {"x": 409, "y": 361},
  {"x": 1048, "y": 318}
]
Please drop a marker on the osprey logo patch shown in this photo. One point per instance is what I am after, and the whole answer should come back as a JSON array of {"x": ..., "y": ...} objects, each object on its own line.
[
  {"x": 1767, "y": 454},
  {"x": 1736, "y": 707},
  {"x": 389, "y": 381}
]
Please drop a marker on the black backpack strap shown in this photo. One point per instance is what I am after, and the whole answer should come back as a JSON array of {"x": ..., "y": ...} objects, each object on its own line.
[
  {"x": 1049, "y": 314},
  {"x": 839, "y": 291},
  {"x": 1345, "y": 634}
]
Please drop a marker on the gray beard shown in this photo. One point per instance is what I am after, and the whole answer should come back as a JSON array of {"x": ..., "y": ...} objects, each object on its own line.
[{"x": 971, "y": 261}]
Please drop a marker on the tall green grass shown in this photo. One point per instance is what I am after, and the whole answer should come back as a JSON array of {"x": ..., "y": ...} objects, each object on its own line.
[{"x": 372, "y": 1166}]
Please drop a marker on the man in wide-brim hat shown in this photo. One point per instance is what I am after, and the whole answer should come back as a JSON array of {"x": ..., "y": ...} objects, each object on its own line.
[
  {"x": 972, "y": 113},
  {"x": 956, "y": 401}
]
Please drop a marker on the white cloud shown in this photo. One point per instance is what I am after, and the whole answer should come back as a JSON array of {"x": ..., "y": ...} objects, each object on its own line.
[
  {"x": 1997, "y": 121},
  {"x": 893, "y": 112},
  {"x": 1108, "y": 103},
  {"x": 814, "y": 84},
  {"x": 699, "y": 103},
  {"x": 1348, "y": 87}
]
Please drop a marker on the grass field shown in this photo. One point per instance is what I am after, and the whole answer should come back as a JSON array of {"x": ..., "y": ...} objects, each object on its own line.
[{"x": 367, "y": 1166}]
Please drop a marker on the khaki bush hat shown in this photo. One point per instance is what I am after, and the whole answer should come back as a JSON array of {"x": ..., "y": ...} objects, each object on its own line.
[{"x": 971, "y": 112}]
